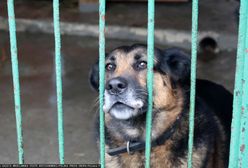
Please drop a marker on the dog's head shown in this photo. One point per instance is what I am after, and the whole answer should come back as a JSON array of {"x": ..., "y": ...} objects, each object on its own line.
[{"x": 125, "y": 95}]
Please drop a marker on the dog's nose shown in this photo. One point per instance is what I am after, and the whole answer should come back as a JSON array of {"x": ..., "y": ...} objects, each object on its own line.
[{"x": 116, "y": 86}]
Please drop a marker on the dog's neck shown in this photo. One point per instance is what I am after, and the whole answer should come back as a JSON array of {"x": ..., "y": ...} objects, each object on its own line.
[
  {"x": 134, "y": 129},
  {"x": 133, "y": 146}
]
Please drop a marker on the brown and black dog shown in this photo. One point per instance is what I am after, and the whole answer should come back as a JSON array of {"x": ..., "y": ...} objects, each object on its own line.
[{"x": 125, "y": 106}]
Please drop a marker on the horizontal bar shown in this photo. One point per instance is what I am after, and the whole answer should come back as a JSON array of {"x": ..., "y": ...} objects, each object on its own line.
[
  {"x": 16, "y": 82},
  {"x": 162, "y": 36},
  {"x": 58, "y": 79},
  {"x": 102, "y": 6},
  {"x": 194, "y": 37}
]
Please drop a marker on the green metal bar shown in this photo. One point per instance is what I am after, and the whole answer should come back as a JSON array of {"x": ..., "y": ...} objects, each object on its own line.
[
  {"x": 102, "y": 6},
  {"x": 238, "y": 88},
  {"x": 193, "y": 79},
  {"x": 150, "y": 57},
  {"x": 58, "y": 79},
  {"x": 243, "y": 140},
  {"x": 16, "y": 82}
]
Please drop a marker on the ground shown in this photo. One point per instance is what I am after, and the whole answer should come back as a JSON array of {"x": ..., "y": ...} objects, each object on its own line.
[{"x": 36, "y": 63}]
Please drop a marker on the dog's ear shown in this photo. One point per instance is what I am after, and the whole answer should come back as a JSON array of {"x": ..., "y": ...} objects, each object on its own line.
[
  {"x": 176, "y": 64},
  {"x": 94, "y": 76}
]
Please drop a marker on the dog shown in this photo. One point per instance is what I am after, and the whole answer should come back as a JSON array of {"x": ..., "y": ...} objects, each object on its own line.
[{"x": 125, "y": 107}]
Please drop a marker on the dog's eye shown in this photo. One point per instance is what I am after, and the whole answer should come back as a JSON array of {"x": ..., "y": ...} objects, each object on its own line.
[
  {"x": 142, "y": 65},
  {"x": 110, "y": 67}
]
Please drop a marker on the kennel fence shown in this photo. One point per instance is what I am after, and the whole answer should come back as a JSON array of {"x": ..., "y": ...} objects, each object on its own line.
[{"x": 239, "y": 136}]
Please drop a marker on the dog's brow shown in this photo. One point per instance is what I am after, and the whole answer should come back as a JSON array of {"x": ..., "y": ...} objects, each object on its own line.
[
  {"x": 112, "y": 58},
  {"x": 137, "y": 56}
]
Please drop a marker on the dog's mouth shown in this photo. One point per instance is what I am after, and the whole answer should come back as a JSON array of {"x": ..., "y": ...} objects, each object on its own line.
[
  {"x": 124, "y": 110},
  {"x": 121, "y": 106}
]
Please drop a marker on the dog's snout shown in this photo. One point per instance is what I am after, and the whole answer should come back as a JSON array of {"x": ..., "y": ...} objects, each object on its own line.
[{"x": 116, "y": 86}]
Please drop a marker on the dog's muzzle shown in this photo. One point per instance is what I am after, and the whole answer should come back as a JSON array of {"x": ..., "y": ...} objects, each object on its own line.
[{"x": 120, "y": 99}]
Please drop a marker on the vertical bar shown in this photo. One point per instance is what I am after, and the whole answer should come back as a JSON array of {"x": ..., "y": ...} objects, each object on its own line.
[
  {"x": 238, "y": 88},
  {"x": 16, "y": 83},
  {"x": 102, "y": 6},
  {"x": 239, "y": 138},
  {"x": 193, "y": 79},
  {"x": 150, "y": 57},
  {"x": 243, "y": 140},
  {"x": 58, "y": 79}
]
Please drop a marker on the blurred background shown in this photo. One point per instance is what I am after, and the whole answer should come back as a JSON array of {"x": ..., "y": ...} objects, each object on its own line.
[{"x": 126, "y": 24}]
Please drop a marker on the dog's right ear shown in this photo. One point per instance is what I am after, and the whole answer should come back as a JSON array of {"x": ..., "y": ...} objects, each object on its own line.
[
  {"x": 176, "y": 64},
  {"x": 94, "y": 76}
]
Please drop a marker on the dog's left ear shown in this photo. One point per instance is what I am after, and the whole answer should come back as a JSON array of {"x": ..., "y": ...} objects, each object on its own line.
[
  {"x": 94, "y": 76},
  {"x": 175, "y": 63}
]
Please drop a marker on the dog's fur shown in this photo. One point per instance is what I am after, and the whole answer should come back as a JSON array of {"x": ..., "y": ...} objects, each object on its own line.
[{"x": 170, "y": 103}]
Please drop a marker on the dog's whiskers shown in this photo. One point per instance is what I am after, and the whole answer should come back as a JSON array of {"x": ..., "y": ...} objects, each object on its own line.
[
  {"x": 141, "y": 91},
  {"x": 96, "y": 102}
]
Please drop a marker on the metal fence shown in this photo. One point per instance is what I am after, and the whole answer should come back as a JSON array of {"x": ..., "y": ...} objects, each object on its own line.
[{"x": 239, "y": 135}]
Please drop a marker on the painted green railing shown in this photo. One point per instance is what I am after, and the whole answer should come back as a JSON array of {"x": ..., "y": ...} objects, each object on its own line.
[
  {"x": 15, "y": 71},
  {"x": 58, "y": 79},
  {"x": 193, "y": 79},
  {"x": 102, "y": 8},
  {"x": 16, "y": 83},
  {"x": 239, "y": 137},
  {"x": 150, "y": 55}
]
